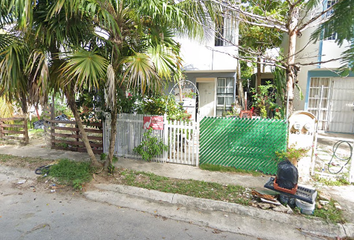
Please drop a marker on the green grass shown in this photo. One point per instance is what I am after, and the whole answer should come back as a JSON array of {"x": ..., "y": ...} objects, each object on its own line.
[
  {"x": 71, "y": 173},
  {"x": 343, "y": 180},
  {"x": 76, "y": 174},
  {"x": 5, "y": 158},
  {"x": 330, "y": 213},
  {"x": 218, "y": 168},
  {"x": 10, "y": 158},
  {"x": 194, "y": 188}
]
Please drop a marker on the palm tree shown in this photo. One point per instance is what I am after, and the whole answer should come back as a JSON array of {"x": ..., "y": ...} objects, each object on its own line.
[
  {"x": 40, "y": 35},
  {"x": 68, "y": 54},
  {"x": 141, "y": 49}
]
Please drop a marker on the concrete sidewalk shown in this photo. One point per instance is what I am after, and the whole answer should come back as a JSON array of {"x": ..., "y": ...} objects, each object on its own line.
[{"x": 220, "y": 215}]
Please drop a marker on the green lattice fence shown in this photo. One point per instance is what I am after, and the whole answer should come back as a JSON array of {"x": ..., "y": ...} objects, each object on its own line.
[{"x": 248, "y": 144}]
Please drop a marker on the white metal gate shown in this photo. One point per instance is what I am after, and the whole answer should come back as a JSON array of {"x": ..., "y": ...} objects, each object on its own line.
[
  {"x": 331, "y": 100},
  {"x": 182, "y": 138},
  {"x": 341, "y": 118}
]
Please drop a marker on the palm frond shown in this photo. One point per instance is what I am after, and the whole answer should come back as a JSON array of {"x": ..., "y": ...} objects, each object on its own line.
[
  {"x": 341, "y": 23},
  {"x": 348, "y": 60},
  {"x": 164, "y": 60},
  {"x": 140, "y": 72},
  {"x": 12, "y": 65},
  {"x": 85, "y": 68}
]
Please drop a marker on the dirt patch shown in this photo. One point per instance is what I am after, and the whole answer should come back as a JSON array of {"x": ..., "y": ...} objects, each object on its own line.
[{"x": 23, "y": 162}]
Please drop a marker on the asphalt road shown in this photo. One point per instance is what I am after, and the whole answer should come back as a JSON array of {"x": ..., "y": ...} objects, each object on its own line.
[{"x": 29, "y": 213}]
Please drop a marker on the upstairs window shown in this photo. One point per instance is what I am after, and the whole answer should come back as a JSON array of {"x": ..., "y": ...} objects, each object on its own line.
[
  {"x": 330, "y": 3},
  {"x": 225, "y": 31}
]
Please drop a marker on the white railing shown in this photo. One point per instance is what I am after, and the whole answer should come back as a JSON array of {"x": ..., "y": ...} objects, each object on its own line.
[{"x": 182, "y": 138}]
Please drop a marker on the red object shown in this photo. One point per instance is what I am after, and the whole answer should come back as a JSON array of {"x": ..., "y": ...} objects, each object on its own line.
[
  {"x": 156, "y": 122},
  {"x": 290, "y": 191},
  {"x": 39, "y": 118},
  {"x": 246, "y": 113}
]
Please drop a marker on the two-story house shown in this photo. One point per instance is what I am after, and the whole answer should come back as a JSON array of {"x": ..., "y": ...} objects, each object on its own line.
[
  {"x": 327, "y": 94},
  {"x": 210, "y": 66}
]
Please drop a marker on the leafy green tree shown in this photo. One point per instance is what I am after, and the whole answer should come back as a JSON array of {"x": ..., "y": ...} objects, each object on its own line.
[
  {"x": 136, "y": 51},
  {"x": 40, "y": 35},
  {"x": 255, "y": 40}
]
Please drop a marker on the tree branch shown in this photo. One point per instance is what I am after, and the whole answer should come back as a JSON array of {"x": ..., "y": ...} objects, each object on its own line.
[
  {"x": 275, "y": 63},
  {"x": 313, "y": 19},
  {"x": 320, "y": 62},
  {"x": 269, "y": 22}
]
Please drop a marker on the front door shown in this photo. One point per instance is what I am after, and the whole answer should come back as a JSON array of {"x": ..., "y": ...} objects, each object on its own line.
[{"x": 207, "y": 99}]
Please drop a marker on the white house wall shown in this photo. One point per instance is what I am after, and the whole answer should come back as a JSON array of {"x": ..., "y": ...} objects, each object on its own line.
[
  {"x": 330, "y": 50},
  {"x": 312, "y": 54},
  {"x": 202, "y": 55}
]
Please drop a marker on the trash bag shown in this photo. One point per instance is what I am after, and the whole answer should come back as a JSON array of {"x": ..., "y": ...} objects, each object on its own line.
[{"x": 287, "y": 175}]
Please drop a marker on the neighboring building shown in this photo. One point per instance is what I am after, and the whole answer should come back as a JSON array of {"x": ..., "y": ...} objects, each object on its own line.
[
  {"x": 335, "y": 110},
  {"x": 211, "y": 70}
]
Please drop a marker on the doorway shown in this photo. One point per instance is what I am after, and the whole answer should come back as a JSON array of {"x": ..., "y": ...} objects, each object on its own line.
[{"x": 207, "y": 99}]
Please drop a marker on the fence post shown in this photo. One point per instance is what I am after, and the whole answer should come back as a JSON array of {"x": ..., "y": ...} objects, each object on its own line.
[
  {"x": 196, "y": 143},
  {"x": 25, "y": 128},
  {"x": 77, "y": 133},
  {"x": 165, "y": 137},
  {"x": 52, "y": 130}
]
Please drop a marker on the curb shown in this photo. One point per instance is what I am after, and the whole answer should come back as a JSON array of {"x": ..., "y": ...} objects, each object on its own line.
[
  {"x": 247, "y": 220},
  {"x": 223, "y": 216}
]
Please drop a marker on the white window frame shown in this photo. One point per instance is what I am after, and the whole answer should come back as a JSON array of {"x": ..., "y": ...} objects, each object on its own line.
[
  {"x": 228, "y": 92},
  {"x": 314, "y": 99}
]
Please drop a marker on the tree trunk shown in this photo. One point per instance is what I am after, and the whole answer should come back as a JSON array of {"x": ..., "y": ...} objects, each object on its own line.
[
  {"x": 240, "y": 91},
  {"x": 112, "y": 140},
  {"x": 72, "y": 105},
  {"x": 24, "y": 104},
  {"x": 259, "y": 80},
  {"x": 291, "y": 70}
]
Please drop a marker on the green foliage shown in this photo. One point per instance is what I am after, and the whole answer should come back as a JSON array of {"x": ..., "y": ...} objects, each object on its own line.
[
  {"x": 280, "y": 85},
  {"x": 330, "y": 213},
  {"x": 292, "y": 154},
  {"x": 152, "y": 105},
  {"x": 246, "y": 71},
  {"x": 61, "y": 145},
  {"x": 155, "y": 105},
  {"x": 150, "y": 146},
  {"x": 260, "y": 38},
  {"x": 103, "y": 156},
  {"x": 91, "y": 106},
  {"x": 175, "y": 111},
  {"x": 60, "y": 106},
  {"x": 194, "y": 188},
  {"x": 71, "y": 173},
  {"x": 264, "y": 100},
  {"x": 342, "y": 180},
  {"x": 129, "y": 103},
  {"x": 111, "y": 169}
]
